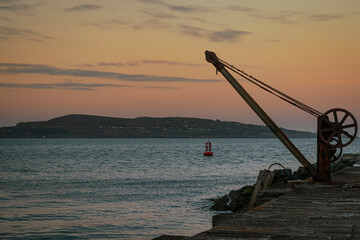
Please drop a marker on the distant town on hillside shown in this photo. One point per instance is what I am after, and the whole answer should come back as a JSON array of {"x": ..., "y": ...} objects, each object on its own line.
[{"x": 87, "y": 126}]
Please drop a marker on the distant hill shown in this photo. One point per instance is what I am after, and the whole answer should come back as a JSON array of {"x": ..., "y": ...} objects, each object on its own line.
[{"x": 87, "y": 126}]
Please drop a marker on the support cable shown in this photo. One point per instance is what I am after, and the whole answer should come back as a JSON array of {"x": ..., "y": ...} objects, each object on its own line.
[{"x": 272, "y": 90}]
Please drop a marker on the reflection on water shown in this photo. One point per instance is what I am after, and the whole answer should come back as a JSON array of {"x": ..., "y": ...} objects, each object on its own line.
[{"x": 126, "y": 188}]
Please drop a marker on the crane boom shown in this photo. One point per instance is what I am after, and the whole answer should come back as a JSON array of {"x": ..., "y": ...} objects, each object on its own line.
[{"x": 212, "y": 58}]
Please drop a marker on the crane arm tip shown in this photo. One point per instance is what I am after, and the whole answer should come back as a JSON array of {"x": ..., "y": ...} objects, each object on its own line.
[{"x": 211, "y": 57}]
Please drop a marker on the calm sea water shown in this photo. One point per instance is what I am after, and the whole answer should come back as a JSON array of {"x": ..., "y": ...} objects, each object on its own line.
[{"x": 126, "y": 188}]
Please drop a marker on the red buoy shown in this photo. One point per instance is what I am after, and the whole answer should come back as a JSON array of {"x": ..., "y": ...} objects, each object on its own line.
[{"x": 208, "y": 151}]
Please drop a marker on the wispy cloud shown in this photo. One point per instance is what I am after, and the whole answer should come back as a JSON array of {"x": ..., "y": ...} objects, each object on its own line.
[
  {"x": 159, "y": 87},
  {"x": 84, "y": 7},
  {"x": 168, "y": 62},
  {"x": 76, "y": 86},
  {"x": 159, "y": 14},
  {"x": 324, "y": 17},
  {"x": 194, "y": 31},
  {"x": 152, "y": 1},
  {"x": 240, "y": 8},
  {"x": 179, "y": 8},
  {"x": 290, "y": 17},
  {"x": 227, "y": 35},
  {"x": 142, "y": 62},
  {"x": 153, "y": 23},
  {"x": 15, "y": 6},
  {"x": 5, "y": 19},
  {"x": 160, "y": 23},
  {"x": 286, "y": 17},
  {"x": 11, "y": 68},
  {"x": 10, "y": 33},
  {"x": 112, "y": 64},
  {"x": 188, "y": 8},
  {"x": 176, "y": 21},
  {"x": 63, "y": 85},
  {"x": 107, "y": 24},
  {"x": 283, "y": 17}
]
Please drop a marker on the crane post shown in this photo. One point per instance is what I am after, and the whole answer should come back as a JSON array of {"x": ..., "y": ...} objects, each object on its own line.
[{"x": 212, "y": 58}]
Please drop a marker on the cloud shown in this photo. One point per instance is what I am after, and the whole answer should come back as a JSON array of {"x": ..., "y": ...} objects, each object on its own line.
[
  {"x": 183, "y": 8},
  {"x": 240, "y": 8},
  {"x": 324, "y": 17},
  {"x": 152, "y": 1},
  {"x": 75, "y": 86},
  {"x": 5, "y": 19},
  {"x": 189, "y": 8},
  {"x": 175, "y": 22},
  {"x": 285, "y": 17},
  {"x": 227, "y": 35},
  {"x": 160, "y": 22},
  {"x": 157, "y": 87},
  {"x": 194, "y": 31},
  {"x": 107, "y": 24},
  {"x": 87, "y": 65},
  {"x": 167, "y": 62},
  {"x": 152, "y": 24},
  {"x": 14, "y": 5},
  {"x": 112, "y": 64},
  {"x": 63, "y": 85},
  {"x": 17, "y": 7},
  {"x": 179, "y": 8},
  {"x": 9, "y": 1},
  {"x": 10, "y": 33},
  {"x": 12, "y": 68},
  {"x": 197, "y": 19},
  {"x": 142, "y": 62},
  {"x": 84, "y": 7},
  {"x": 158, "y": 14}
]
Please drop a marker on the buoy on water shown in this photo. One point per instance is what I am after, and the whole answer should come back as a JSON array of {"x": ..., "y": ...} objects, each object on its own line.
[{"x": 208, "y": 151}]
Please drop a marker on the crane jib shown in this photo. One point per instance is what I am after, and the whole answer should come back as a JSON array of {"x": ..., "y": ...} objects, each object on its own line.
[{"x": 211, "y": 57}]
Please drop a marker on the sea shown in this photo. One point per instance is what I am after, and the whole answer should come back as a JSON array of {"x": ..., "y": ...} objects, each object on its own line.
[{"x": 127, "y": 188}]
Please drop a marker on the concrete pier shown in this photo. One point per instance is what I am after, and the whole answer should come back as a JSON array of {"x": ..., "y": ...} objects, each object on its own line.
[{"x": 311, "y": 210}]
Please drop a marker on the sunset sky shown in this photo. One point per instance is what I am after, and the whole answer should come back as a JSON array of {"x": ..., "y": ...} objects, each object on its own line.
[{"x": 132, "y": 58}]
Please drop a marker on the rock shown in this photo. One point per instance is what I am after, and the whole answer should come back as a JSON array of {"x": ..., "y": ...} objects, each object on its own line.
[
  {"x": 301, "y": 174},
  {"x": 220, "y": 205},
  {"x": 282, "y": 176},
  {"x": 225, "y": 199},
  {"x": 236, "y": 201},
  {"x": 240, "y": 198},
  {"x": 240, "y": 203}
]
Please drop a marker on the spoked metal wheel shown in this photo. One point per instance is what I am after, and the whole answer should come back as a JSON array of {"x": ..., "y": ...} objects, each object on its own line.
[
  {"x": 338, "y": 128},
  {"x": 335, "y": 153}
]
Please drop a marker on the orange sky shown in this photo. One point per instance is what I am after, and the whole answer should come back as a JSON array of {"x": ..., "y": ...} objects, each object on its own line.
[{"x": 134, "y": 58}]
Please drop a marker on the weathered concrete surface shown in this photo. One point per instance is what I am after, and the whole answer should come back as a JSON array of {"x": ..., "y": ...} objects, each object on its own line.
[{"x": 310, "y": 211}]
